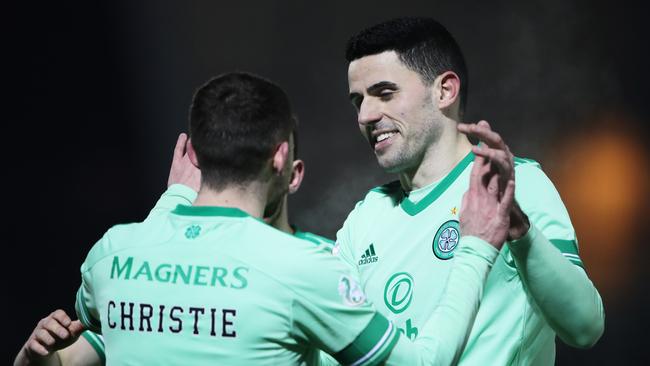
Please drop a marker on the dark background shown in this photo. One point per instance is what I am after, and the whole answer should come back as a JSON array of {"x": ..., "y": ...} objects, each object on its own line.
[{"x": 98, "y": 92}]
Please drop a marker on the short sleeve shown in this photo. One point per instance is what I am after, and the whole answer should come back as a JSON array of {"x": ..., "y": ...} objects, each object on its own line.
[{"x": 85, "y": 304}]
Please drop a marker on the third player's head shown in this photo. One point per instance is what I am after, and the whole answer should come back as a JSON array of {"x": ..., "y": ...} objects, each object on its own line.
[
  {"x": 408, "y": 82},
  {"x": 240, "y": 127}
]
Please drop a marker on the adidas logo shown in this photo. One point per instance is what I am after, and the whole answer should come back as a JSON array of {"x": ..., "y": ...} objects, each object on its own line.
[{"x": 369, "y": 256}]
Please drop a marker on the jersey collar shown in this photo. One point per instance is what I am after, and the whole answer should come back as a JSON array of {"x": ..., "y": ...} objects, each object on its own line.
[
  {"x": 413, "y": 209},
  {"x": 184, "y": 210}
]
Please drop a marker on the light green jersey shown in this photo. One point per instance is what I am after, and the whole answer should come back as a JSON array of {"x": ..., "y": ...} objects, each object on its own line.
[
  {"x": 158, "y": 289},
  {"x": 321, "y": 241},
  {"x": 97, "y": 340},
  {"x": 213, "y": 285},
  {"x": 403, "y": 247}
]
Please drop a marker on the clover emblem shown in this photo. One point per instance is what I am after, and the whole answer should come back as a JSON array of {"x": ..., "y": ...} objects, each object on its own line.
[
  {"x": 192, "y": 231},
  {"x": 448, "y": 239}
]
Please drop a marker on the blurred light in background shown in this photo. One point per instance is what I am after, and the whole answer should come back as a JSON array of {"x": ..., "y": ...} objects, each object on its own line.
[{"x": 602, "y": 175}]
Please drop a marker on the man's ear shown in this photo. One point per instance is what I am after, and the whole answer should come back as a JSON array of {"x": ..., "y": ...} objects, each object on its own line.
[
  {"x": 297, "y": 173},
  {"x": 280, "y": 157},
  {"x": 191, "y": 153},
  {"x": 448, "y": 86}
]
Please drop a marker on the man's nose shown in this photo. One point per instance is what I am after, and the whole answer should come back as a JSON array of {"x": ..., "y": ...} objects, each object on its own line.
[{"x": 369, "y": 112}]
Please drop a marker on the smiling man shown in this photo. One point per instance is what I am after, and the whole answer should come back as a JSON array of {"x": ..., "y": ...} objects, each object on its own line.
[
  {"x": 408, "y": 82},
  {"x": 199, "y": 285}
]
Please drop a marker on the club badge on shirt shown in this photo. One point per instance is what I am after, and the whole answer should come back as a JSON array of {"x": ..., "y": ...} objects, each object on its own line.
[{"x": 446, "y": 239}]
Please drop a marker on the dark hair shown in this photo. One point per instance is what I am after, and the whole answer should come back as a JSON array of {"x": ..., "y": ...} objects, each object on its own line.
[
  {"x": 236, "y": 121},
  {"x": 423, "y": 45}
]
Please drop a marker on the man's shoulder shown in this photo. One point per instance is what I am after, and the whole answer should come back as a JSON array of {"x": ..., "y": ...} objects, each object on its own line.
[
  {"x": 314, "y": 238},
  {"x": 125, "y": 236},
  {"x": 530, "y": 175},
  {"x": 390, "y": 193},
  {"x": 526, "y": 163},
  {"x": 388, "y": 189},
  {"x": 111, "y": 242}
]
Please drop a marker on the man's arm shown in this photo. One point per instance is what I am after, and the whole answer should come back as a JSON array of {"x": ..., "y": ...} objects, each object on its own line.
[
  {"x": 82, "y": 352},
  {"x": 561, "y": 291},
  {"x": 52, "y": 333}
]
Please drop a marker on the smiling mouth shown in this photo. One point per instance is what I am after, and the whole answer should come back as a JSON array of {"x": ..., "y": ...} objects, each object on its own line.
[{"x": 382, "y": 139}]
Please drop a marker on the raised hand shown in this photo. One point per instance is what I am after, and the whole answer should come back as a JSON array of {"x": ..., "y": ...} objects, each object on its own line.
[
  {"x": 495, "y": 150},
  {"x": 485, "y": 212},
  {"x": 182, "y": 170}
]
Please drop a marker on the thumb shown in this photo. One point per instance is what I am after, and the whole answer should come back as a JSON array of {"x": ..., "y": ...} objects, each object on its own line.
[{"x": 76, "y": 328}]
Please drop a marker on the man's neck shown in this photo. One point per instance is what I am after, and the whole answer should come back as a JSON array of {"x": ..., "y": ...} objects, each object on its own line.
[
  {"x": 249, "y": 198},
  {"x": 280, "y": 220},
  {"x": 438, "y": 160}
]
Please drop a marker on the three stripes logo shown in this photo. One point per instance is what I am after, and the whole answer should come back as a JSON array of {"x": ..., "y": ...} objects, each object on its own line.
[{"x": 369, "y": 256}]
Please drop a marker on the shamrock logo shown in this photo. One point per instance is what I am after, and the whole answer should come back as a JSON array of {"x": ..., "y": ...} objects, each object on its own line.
[{"x": 192, "y": 231}]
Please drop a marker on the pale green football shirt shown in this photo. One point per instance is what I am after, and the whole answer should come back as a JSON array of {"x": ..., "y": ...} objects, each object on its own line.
[
  {"x": 403, "y": 248},
  {"x": 313, "y": 318},
  {"x": 184, "y": 196},
  {"x": 206, "y": 285}
]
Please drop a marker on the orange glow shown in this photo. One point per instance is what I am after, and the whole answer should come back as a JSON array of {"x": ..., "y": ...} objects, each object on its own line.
[{"x": 603, "y": 180}]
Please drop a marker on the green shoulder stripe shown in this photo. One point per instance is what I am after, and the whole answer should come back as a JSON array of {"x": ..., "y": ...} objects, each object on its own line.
[
  {"x": 519, "y": 161},
  {"x": 565, "y": 246},
  {"x": 372, "y": 346},
  {"x": 84, "y": 315},
  {"x": 97, "y": 343},
  {"x": 314, "y": 238},
  {"x": 569, "y": 249},
  {"x": 415, "y": 208}
]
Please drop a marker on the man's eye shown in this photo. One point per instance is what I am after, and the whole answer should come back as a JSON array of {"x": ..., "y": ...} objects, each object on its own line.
[{"x": 386, "y": 95}]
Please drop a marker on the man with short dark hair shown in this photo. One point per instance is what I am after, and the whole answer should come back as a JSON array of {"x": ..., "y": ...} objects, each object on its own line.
[
  {"x": 183, "y": 185},
  {"x": 408, "y": 83},
  {"x": 212, "y": 283}
]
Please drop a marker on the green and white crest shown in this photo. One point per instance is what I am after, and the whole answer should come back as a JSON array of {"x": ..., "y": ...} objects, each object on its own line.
[{"x": 446, "y": 240}]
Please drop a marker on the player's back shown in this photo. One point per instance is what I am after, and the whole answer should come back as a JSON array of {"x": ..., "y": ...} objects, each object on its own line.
[{"x": 209, "y": 285}]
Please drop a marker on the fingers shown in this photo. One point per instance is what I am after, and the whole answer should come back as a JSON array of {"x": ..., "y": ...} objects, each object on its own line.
[
  {"x": 502, "y": 160},
  {"x": 179, "y": 150},
  {"x": 61, "y": 317},
  {"x": 76, "y": 328},
  {"x": 34, "y": 347},
  {"x": 493, "y": 186},
  {"x": 507, "y": 199},
  {"x": 483, "y": 132},
  {"x": 45, "y": 339},
  {"x": 476, "y": 174}
]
